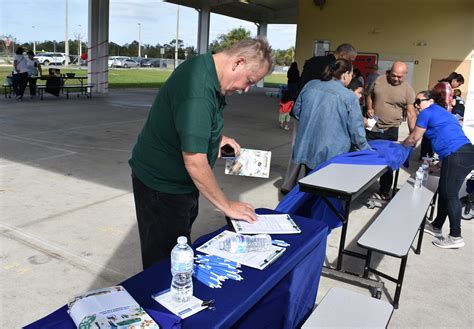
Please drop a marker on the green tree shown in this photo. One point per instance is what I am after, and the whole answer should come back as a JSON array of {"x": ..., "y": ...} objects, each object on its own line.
[
  {"x": 284, "y": 56},
  {"x": 228, "y": 39}
]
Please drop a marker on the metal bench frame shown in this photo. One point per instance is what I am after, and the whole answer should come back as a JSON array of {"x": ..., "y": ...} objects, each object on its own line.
[
  {"x": 85, "y": 90},
  {"x": 403, "y": 257}
]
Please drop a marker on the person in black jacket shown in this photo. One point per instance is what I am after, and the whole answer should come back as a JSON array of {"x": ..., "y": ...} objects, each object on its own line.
[
  {"x": 314, "y": 67},
  {"x": 293, "y": 76}
]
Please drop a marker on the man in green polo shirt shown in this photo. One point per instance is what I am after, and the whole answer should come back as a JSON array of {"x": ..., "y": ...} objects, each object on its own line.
[{"x": 173, "y": 158}]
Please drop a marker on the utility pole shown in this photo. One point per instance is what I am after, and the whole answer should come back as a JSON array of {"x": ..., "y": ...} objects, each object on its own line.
[
  {"x": 177, "y": 38},
  {"x": 34, "y": 41},
  {"x": 66, "y": 42},
  {"x": 139, "y": 40},
  {"x": 80, "y": 42}
]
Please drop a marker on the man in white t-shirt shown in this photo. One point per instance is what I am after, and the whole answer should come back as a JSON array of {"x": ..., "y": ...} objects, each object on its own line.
[
  {"x": 34, "y": 71},
  {"x": 20, "y": 73}
]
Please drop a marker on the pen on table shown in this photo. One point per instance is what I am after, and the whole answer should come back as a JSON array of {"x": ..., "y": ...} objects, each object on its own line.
[{"x": 280, "y": 243}]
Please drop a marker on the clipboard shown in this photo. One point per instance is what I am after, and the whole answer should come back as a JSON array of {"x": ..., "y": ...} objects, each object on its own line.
[
  {"x": 259, "y": 260},
  {"x": 267, "y": 224}
]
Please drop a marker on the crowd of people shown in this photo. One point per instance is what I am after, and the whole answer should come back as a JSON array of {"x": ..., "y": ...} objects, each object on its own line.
[
  {"x": 182, "y": 138},
  {"x": 332, "y": 120}
]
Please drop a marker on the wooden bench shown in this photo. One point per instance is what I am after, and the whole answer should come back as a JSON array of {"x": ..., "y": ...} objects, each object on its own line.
[
  {"x": 82, "y": 89},
  {"x": 342, "y": 308},
  {"x": 394, "y": 230}
]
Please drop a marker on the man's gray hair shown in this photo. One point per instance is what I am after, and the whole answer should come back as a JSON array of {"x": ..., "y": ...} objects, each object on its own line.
[
  {"x": 345, "y": 48},
  {"x": 256, "y": 51}
]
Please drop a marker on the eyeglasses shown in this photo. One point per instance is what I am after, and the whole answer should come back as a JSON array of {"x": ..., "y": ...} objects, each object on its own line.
[{"x": 419, "y": 100}]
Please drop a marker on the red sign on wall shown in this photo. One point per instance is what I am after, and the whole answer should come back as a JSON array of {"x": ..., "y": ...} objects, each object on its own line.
[{"x": 365, "y": 61}]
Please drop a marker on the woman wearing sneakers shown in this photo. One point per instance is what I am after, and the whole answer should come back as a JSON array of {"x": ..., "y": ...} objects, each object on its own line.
[{"x": 457, "y": 155}]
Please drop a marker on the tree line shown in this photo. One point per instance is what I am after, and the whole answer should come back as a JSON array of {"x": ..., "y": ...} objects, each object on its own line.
[{"x": 167, "y": 50}]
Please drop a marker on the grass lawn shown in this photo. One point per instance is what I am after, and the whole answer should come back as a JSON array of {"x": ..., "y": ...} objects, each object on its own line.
[{"x": 139, "y": 78}]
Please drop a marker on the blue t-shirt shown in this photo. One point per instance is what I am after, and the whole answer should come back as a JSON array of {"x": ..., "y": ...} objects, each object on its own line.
[{"x": 443, "y": 129}]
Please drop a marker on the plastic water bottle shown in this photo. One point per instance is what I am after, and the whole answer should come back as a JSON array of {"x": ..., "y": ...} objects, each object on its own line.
[
  {"x": 246, "y": 243},
  {"x": 419, "y": 178},
  {"x": 182, "y": 262},
  {"x": 425, "y": 167}
]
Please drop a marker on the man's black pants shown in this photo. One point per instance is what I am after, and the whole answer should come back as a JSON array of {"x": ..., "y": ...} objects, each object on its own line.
[
  {"x": 162, "y": 218},
  {"x": 19, "y": 82},
  {"x": 390, "y": 134}
]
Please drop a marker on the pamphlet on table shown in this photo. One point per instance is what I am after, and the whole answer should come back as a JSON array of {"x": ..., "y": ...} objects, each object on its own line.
[
  {"x": 256, "y": 259},
  {"x": 269, "y": 224},
  {"x": 252, "y": 163},
  {"x": 183, "y": 310},
  {"x": 111, "y": 307}
]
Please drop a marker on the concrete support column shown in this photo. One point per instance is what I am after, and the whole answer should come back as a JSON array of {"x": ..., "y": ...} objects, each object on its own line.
[
  {"x": 92, "y": 41},
  {"x": 102, "y": 63},
  {"x": 203, "y": 29},
  {"x": 262, "y": 32},
  {"x": 98, "y": 45}
]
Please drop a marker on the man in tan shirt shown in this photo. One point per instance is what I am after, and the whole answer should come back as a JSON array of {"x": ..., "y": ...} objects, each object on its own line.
[{"x": 389, "y": 96}]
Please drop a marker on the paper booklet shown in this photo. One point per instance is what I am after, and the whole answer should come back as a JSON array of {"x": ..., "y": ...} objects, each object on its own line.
[
  {"x": 371, "y": 123},
  {"x": 111, "y": 307},
  {"x": 255, "y": 259},
  {"x": 253, "y": 163},
  {"x": 269, "y": 224}
]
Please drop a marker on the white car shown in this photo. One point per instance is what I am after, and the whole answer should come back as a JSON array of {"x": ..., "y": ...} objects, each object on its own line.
[
  {"x": 52, "y": 58},
  {"x": 125, "y": 63},
  {"x": 116, "y": 59}
]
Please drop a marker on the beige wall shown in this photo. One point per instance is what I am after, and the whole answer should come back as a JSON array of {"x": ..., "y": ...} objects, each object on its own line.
[{"x": 391, "y": 28}]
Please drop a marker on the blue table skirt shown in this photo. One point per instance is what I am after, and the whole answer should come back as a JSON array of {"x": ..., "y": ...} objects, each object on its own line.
[
  {"x": 281, "y": 296},
  {"x": 305, "y": 204}
]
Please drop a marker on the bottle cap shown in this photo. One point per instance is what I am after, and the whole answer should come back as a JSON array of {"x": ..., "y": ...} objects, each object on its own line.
[{"x": 182, "y": 240}]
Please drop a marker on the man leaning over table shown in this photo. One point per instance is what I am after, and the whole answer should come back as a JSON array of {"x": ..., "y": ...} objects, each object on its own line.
[{"x": 173, "y": 158}]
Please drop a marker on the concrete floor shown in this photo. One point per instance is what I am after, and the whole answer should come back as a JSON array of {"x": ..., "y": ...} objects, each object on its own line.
[{"x": 67, "y": 213}]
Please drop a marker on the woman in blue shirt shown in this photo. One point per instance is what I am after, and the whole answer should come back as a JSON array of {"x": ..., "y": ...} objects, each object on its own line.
[
  {"x": 330, "y": 120},
  {"x": 457, "y": 155}
]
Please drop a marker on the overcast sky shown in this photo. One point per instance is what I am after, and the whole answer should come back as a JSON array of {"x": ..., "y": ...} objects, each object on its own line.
[{"x": 28, "y": 20}]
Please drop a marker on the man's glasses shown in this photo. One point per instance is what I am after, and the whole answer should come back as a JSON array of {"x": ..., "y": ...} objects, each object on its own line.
[{"x": 419, "y": 100}]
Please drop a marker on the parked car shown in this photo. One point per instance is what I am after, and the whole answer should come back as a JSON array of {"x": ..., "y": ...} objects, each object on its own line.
[
  {"x": 152, "y": 63},
  {"x": 143, "y": 61},
  {"x": 113, "y": 59},
  {"x": 125, "y": 63},
  {"x": 52, "y": 58}
]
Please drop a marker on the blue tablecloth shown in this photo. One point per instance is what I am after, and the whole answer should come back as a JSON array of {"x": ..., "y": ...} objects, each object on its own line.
[
  {"x": 281, "y": 296},
  {"x": 305, "y": 204}
]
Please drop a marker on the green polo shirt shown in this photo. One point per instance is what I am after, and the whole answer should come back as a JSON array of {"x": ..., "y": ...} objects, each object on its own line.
[{"x": 186, "y": 116}]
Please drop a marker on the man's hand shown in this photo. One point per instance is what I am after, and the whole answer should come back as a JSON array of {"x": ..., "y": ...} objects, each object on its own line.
[
  {"x": 226, "y": 140},
  {"x": 201, "y": 173},
  {"x": 241, "y": 211},
  {"x": 370, "y": 113}
]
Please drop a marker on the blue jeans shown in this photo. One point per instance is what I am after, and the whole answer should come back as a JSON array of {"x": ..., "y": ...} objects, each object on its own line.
[
  {"x": 162, "y": 218},
  {"x": 454, "y": 169}
]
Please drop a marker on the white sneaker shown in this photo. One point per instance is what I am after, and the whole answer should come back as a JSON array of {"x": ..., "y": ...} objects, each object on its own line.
[
  {"x": 434, "y": 231},
  {"x": 449, "y": 242}
]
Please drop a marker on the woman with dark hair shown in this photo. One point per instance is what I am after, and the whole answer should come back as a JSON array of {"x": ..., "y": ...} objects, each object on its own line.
[
  {"x": 293, "y": 76},
  {"x": 444, "y": 88},
  {"x": 20, "y": 73},
  {"x": 455, "y": 79},
  {"x": 330, "y": 120},
  {"x": 457, "y": 155}
]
